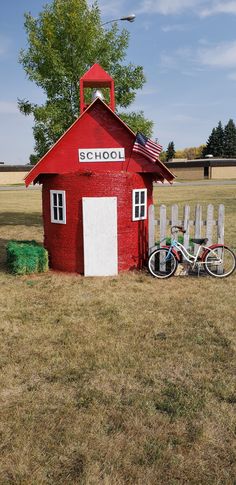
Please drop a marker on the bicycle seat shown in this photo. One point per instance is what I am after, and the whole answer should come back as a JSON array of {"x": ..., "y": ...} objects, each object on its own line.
[{"x": 200, "y": 241}]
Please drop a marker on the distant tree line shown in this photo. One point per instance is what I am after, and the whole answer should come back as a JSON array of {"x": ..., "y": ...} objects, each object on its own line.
[
  {"x": 188, "y": 153},
  {"x": 221, "y": 143}
]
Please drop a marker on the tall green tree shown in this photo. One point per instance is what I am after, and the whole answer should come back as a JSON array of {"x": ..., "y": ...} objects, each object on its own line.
[
  {"x": 211, "y": 144},
  {"x": 219, "y": 140},
  {"x": 170, "y": 152},
  {"x": 222, "y": 141},
  {"x": 230, "y": 139},
  {"x": 138, "y": 122},
  {"x": 64, "y": 41}
]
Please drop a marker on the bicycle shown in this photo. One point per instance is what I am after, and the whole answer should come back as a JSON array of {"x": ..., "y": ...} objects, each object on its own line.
[{"x": 217, "y": 260}]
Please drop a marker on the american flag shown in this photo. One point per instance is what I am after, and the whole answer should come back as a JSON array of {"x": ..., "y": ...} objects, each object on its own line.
[{"x": 147, "y": 147}]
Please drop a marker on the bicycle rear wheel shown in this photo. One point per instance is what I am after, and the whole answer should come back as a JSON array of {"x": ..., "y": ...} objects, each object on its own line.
[
  {"x": 220, "y": 262},
  {"x": 162, "y": 263}
]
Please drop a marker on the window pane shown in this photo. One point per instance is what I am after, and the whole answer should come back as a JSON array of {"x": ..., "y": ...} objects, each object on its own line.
[
  {"x": 60, "y": 200},
  {"x": 142, "y": 211},
  {"x": 54, "y": 199},
  {"x": 142, "y": 197},
  {"x": 136, "y": 197},
  {"x": 60, "y": 211},
  {"x": 136, "y": 212},
  {"x": 55, "y": 213}
]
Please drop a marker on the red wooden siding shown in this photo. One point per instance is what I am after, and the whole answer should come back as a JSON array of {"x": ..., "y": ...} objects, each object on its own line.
[{"x": 65, "y": 242}]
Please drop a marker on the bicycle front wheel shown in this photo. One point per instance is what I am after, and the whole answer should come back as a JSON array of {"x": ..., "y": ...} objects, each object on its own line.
[
  {"x": 220, "y": 262},
  {"x": 162, "y": 263}
]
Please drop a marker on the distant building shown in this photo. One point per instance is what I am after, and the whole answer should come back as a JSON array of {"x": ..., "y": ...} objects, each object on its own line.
[
  {"x": 204, "y": 168},
  {"x": 13, "y": 174},
  {"x": 200, "y": 169}
]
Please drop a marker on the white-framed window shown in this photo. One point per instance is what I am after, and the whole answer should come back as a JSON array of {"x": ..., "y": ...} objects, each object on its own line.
[
  {"x": 58, "y": 206},
  {"x": 139, "y": 211}
]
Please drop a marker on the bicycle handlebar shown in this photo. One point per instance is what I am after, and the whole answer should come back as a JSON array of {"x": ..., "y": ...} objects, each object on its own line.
[{"x": 179, "y": 228}]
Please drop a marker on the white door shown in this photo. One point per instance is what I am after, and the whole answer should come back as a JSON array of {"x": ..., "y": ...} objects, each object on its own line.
[{"x": 100, "y": 236}]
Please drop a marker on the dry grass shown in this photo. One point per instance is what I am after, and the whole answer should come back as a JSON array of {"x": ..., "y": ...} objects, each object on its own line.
[{"x": 114, "y": 381}]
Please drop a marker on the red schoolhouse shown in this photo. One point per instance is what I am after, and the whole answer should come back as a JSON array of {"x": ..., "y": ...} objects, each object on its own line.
[{"x": 96, "y": 191}]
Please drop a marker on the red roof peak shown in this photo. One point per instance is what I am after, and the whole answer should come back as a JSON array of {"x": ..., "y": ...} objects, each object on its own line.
[
  {"x": 96, "y": 74},
  {"x": 96, "y": 77}
]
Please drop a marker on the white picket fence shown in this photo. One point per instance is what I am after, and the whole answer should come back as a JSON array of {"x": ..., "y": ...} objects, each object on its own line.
[{"x": 159, "y": 228}]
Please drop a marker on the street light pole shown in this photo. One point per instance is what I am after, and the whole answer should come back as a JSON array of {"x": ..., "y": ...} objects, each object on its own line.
[{"x": 129, "y": 18}]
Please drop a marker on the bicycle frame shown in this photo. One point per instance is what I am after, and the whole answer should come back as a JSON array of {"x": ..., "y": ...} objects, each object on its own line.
[
  {"x": 194, "y": 260},
  {"x": 217, "y": 259}
]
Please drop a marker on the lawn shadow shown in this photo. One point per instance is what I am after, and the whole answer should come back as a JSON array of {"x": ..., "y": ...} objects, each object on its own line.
[
  {"x": 20, "y": 219},
  {"x": 3, "y": 255}
]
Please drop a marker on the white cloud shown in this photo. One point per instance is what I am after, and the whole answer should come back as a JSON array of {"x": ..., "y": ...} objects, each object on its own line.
[
  {"x": 181, "y": 58},
  {"x": 168, "y": 7},
  {"x": 222, "y": 55},
  {"x": 189, "y": 61},
  {"x": 218, "y": 7},
  {"x": 108, "y": 7},
  {"x": 168, "y": 61},
  {"x": 202, "y": 8}
]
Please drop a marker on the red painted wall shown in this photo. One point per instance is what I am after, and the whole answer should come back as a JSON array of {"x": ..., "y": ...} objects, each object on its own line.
[{"x": 64, "y": 242}]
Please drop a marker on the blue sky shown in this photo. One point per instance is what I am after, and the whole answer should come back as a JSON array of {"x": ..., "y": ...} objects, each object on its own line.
[{"x": 187, "y": 49}]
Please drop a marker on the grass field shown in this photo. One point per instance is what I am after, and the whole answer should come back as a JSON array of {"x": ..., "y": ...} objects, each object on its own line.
[{"x": 112, "y": 381}]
